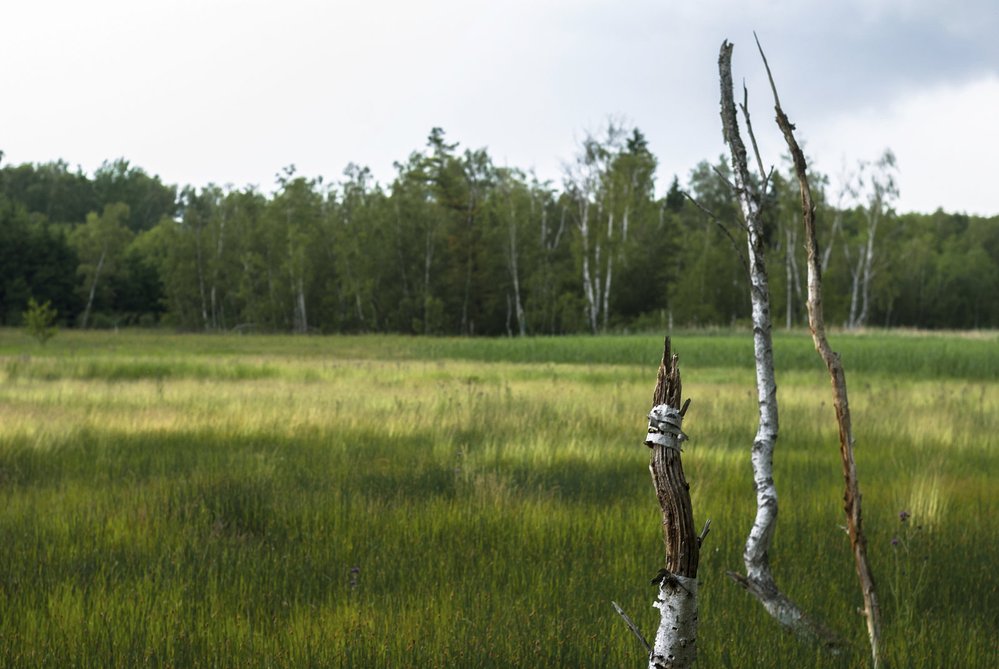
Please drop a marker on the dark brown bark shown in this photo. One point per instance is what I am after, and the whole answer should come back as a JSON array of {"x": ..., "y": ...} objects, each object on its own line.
[
  {"x": 672, "y": 489},
  {"x": 816, "y": 323}
]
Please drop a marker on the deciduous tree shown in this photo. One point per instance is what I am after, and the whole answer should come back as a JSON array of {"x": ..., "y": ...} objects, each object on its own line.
[{"x": 100, "y": 244}]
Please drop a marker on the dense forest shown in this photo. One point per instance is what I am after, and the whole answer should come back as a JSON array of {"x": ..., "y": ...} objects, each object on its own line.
[{"x": 458, "y": 245}]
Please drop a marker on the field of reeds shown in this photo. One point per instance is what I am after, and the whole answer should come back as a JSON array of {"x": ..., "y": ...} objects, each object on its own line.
[{"x": 265, "y": 501}]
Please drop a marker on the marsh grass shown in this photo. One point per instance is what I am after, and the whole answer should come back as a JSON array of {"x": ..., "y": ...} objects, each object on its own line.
[{"x": 207, "y": 501}]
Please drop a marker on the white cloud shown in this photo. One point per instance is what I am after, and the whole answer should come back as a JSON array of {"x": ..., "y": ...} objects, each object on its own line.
[
  {"x": 233, "y": 90},
  {"x": 944, "y": 139}
]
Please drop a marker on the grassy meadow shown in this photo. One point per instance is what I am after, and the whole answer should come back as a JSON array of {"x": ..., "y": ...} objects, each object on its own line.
[{"x": 266, "y": 501}]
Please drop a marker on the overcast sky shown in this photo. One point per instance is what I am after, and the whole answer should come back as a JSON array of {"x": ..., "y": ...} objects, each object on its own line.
[{"x": 231, "y": 91}]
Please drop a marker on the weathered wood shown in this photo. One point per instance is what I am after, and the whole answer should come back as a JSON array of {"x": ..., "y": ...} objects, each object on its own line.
[
  {"x": 672, "y": 489},
  {"x": 816, "y": 323},
  {"x": 675, "y": 644}
]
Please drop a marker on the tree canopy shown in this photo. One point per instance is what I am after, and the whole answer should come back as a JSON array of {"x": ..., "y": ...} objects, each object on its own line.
[{"x": 455, "y": 244}]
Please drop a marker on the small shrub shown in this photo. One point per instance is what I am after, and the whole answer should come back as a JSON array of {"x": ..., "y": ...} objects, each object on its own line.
[{"x": 39, "y": 319}]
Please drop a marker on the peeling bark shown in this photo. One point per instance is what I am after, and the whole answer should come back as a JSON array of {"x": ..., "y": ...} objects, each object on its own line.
[{"x": 675, "y": 643}]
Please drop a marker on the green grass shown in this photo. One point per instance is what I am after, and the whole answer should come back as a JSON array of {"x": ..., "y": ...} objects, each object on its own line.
[{"x": 211, "y": 501}]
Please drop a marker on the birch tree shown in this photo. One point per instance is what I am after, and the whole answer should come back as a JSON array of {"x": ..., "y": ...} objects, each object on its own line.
[
  {"x": 99, "y": 244},
  {"x": 630, "y": 186},
  {"x": 759, "y": 579},
  {"x": 583, "y": 182},
  {"x": 874, "y": 184},
  {"x": 203, "y": 223},
  {"x": 297, "y": 210},
  {"x": 517, "y": 209},
  {"x": 604, "y": 183},
  {"x": 787, "y": 237},
  {"x": 224, "y": 238},
  {"x": 550, "y": 249},
  {"x": 417, "y": 236},
  {"x": 352, "y": 236}
]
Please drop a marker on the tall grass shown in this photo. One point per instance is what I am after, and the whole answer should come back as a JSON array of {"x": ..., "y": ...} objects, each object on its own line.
[{"x": 372, "y": 501}]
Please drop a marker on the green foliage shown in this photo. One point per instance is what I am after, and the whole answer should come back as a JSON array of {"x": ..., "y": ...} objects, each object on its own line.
[
  {"x": 454, "y": 244},
  {"x": 277, "y": 501},
  {"x": 50, "y": 190},
  {"x": 39, "y": 320},
  {"x": 147, "y": 198},
  {"x": 100, "y": 244},
  {"x": 34, "y": 258}
]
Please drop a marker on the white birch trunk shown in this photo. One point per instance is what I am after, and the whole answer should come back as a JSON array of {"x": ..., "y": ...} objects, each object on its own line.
[
  {"x": 676, "y": 639},
  {"x": 759, "y": 579},
  {"x": 588, "y": 288},
  {"x": 558, "y": 231},
  {"x": 301, "y": 321},
  {"x": 608, "y": 272},
  {"x": 865, "y": 281},
  {"x": 597, "y": 288},
  {"x": 796, "y": 273},
  {"x": 855, "y": 273},
  {"x": 789, "y": 278},
  {"x": 360, "y": 307},
  {"x": 200, "y": 267},
  {"x": 758, "y": 543},
  {"x": 607, "y": 289},
  {"x": 93, "y": 287},
  {"x": 827, "y": 253},
  {"x": 218, "y": 315},
  {"x": 624, "y": 223},
  {"x": 515, "y": 273}
]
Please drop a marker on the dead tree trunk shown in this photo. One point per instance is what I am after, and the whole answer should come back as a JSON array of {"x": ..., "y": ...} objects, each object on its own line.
[
  {"x": 759, "y": 579},
  {"x": 816, "y": 323},
  {"x": 675, "y": 645}
]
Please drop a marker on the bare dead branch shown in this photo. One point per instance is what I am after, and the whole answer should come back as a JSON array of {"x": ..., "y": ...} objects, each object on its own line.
[
  {"x": 728, "y": 182},
  {"x": 752, "y": 138},
  {"x": 704, "y": 532},
  {"x": 632, "y": 626},
  {"x": 773, "y": 86},
  {"x": 722, "y": 227},
  {"x": 851, "y": 498}
]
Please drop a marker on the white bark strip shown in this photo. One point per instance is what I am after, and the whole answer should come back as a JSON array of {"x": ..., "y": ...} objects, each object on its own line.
[{"x": 676, "y": 640}]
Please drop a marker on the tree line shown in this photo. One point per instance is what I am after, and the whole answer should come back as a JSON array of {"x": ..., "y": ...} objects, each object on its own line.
[{"x": 458, "y": 245}]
